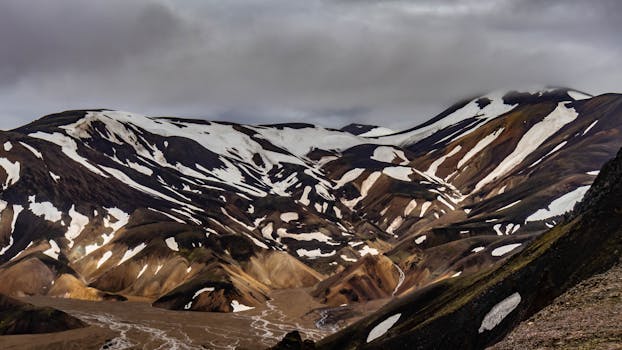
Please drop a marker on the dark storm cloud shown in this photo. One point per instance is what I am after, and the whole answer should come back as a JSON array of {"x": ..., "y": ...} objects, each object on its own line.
[{"x": 332, "y": 62}]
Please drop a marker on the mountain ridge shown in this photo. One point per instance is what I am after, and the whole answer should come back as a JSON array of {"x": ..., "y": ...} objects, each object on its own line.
[{"x": 193, "y": 214}]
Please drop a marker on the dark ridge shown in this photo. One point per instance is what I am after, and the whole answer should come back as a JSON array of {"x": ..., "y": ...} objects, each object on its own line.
[
  {"x": 282, "y": 126},
  {"x": 21, "y": 318},
  {"x": 358, "y": 129},
  {"x": 51, "y": 122}
]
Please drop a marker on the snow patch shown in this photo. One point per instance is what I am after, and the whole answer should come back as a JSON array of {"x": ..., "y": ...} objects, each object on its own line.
[
  {"x": 172, "y": 244},
  {"x": 560, "y": 205},
  {"x": 107, "y": 255},
  {"x": 287, "y": 217},
  {"x": 367, "y": 250},
  {"x": 386, "y": 154},
  {"x": 480, "y": 145},
  {"x": 499, "y": 312},
  {"x": 531, "y": 140},
  {"x": 237, "y": 307},
  {"x": 130, "y": 253},
  {"x": 500, "y": 251},
  {"x": 53, "y": 251},
  {"x": 382, "y": 328}
]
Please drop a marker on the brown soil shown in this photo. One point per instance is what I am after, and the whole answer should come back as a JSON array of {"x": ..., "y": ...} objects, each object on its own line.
[{"x": 588, "y": 316}]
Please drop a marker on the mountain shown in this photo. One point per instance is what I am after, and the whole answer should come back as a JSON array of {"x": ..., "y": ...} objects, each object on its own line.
[
  {"x": 475, "y": 311},
  {"x": 212, "y": 216}
]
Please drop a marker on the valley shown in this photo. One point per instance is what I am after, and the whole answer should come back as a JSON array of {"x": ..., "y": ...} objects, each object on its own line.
[{"x": 173, "y": 233}]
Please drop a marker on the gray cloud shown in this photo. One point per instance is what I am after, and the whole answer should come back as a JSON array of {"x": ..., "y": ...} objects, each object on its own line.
[{"x": 394, "y": 63}]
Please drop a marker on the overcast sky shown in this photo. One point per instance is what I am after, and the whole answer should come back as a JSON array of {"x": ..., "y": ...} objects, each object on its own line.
[{"x": 332, "y": 62}]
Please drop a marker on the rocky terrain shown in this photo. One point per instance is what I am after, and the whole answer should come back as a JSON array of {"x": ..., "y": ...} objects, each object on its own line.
[
  {"x": 588, "y": 316},
  {"x": 204, "y": 216},
  {"x": 490, "y": 303},
  {"x": 21, "y": 318}
]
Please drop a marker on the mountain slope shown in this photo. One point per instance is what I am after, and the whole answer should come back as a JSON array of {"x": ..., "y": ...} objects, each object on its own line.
[
  {"x": 585, "y": 317},
  {"x": 195, "y": 214},
  {"x": 475, "y": 311}
]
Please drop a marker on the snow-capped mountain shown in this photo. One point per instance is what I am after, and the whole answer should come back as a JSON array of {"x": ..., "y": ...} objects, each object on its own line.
[
  {"x": 210, "y": 216},
  {"x": 476, "y": 311}
]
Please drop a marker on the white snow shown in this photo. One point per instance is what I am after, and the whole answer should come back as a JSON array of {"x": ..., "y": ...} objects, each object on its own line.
[
  {"x": 315, "y": 253},
  {"x": 304, "y": 199},
  {"x": 500, "y": 251},
  {"x": 560, "y": 205},
  {"x": 593, "y": 172},
  {"x": 424, "y": 208},
  {"x": 201, "y": 291},
  {"x": 8, "y": 146},
  {"x": 54, "y": 177},
  {"x": 69, "y": 147},
  {"x": 130, "y": 253},
  {"x": 470, "y": 110},
  {"x": 412, "y": 205},
  {"x": 457, "y": 274},
  {"x": 121, "y": 217},
  {"x": 107, "y": 255},
  {"x": 266, "y": 231},
  {"x": 531, "y": 140},
  {"x": 509, "y": 205},
  {"x": 237, "y": 307},
  {"x": 397, "y": 222},
  {"x": 367, "y": 250},
  {"x": 377, "y": 131},
  {"x": 589, "y": 127},
  {"x": 481, "y": 144},
  {"x": 445, "y": 202},
  {"x": 32, "y": 150},
  {"x": 287, "y": 217},
  {"x": 77, "y": 225},
  {"x": 369, "y": 183},
  {"x": 140, "y": 273},
  {"x": 421, "y": 239},
  {"x": 310, "y": 236},
  {"x": 349, "y": 176},
  {"x": 499, "y": 312},
  {"x": 345, "y": 258},
  {"x": 121, "y": 176},
  {"x": 386, "y": 154},
  {"x": 172, "y": 244},
  {"x": 575, "y": 95},
  {"x": 401, "y": 173},
  {"x": 12, "y": 170},
  {"x": 477, "y": 249},
  {"x": 53, "y": 251},
  {"x": 383, "y": 327},
  {"x": 434, "y": 166},
  {"x": 46, "y": 210},
  {"x": 497, "y": 229}
]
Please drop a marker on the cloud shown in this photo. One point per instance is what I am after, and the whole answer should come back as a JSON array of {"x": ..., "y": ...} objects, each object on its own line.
[{"x": 395, "y": 63}]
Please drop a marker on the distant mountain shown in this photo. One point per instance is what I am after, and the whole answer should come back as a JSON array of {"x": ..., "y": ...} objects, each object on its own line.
[{"x": 211, "y": 216}]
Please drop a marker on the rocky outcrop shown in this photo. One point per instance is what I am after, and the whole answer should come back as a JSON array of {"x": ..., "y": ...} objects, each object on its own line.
[{"x": 20, "y": 318}]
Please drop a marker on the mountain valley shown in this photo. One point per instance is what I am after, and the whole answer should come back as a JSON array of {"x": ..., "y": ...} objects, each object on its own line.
[{"x": 359, "y": 238}]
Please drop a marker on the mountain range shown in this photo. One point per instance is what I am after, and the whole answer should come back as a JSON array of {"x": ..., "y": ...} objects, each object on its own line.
[{"x": 469, "y": 212}]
